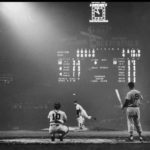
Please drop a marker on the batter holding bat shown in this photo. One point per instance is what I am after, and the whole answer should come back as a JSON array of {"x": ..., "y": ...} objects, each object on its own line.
[
  {"x": 132, "y": 104},
  {"x": 119, "y": 98}
]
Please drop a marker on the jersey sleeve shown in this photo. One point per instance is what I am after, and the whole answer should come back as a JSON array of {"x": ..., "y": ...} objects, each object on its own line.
[
  {"x": 64, "y": 116},
  {"x": 77, "y": 107},
  {"x": 141, "y": 96},
  {"x": 49, "y": 115},
  {"x": 128, "y": 96},
  {"x": 78, "y": 110}
]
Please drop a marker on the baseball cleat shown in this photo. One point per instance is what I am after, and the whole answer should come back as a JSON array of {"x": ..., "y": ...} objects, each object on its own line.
[
  {"x": 140, "y": 138},
  {"x": 61, "y": 138},
  {"x": 53, "y": 138},
  {"x": 131, "y": 138}
]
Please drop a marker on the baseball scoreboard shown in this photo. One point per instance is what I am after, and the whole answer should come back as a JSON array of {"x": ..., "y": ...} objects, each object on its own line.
[
  {"x": 98, "y": 65},
  {"x": 99, "y": 57}
]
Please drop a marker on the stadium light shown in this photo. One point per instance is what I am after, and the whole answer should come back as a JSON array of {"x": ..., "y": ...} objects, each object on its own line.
[
  {"x": 30, "y": 25},
  {"x": 12, "y": 6}
]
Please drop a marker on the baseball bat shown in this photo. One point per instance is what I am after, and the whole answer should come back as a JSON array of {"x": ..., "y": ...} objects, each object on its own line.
[{"x": 118, "y": 96}]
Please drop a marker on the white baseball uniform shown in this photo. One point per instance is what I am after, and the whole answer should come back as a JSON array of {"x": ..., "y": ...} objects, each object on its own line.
[
  {"x": 133, "y": 111},
  {"x": 57, "y": 119},
  {"x": 82, "y": 115}
]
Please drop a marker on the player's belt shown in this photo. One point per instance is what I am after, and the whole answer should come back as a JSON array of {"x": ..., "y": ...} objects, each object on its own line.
[
  {"x": 54, "y": 124},
  {"x": 132, "y": 106}
]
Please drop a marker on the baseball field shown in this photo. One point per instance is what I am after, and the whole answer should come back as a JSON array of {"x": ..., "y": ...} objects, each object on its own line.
[{"x": 75, "y": 140}]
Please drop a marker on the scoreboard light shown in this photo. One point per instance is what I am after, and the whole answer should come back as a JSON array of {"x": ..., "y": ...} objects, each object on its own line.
[
  {"x": 139, "y": 51},
  {"x": 89, "y": 55},
  {"x": 93, "y": 51},
  {"x": 129, "y": 79},
  {"x": 123, "y": 55},
  {"x": 93, "y": 55},
  {"x": 59, "y": 62}
]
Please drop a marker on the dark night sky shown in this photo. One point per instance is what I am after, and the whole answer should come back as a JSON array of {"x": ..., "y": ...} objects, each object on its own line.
[{"x": 34, "y": 65}]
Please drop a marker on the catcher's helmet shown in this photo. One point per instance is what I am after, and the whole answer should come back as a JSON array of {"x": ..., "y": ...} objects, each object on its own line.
[{"x": 57, "y": 106}]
